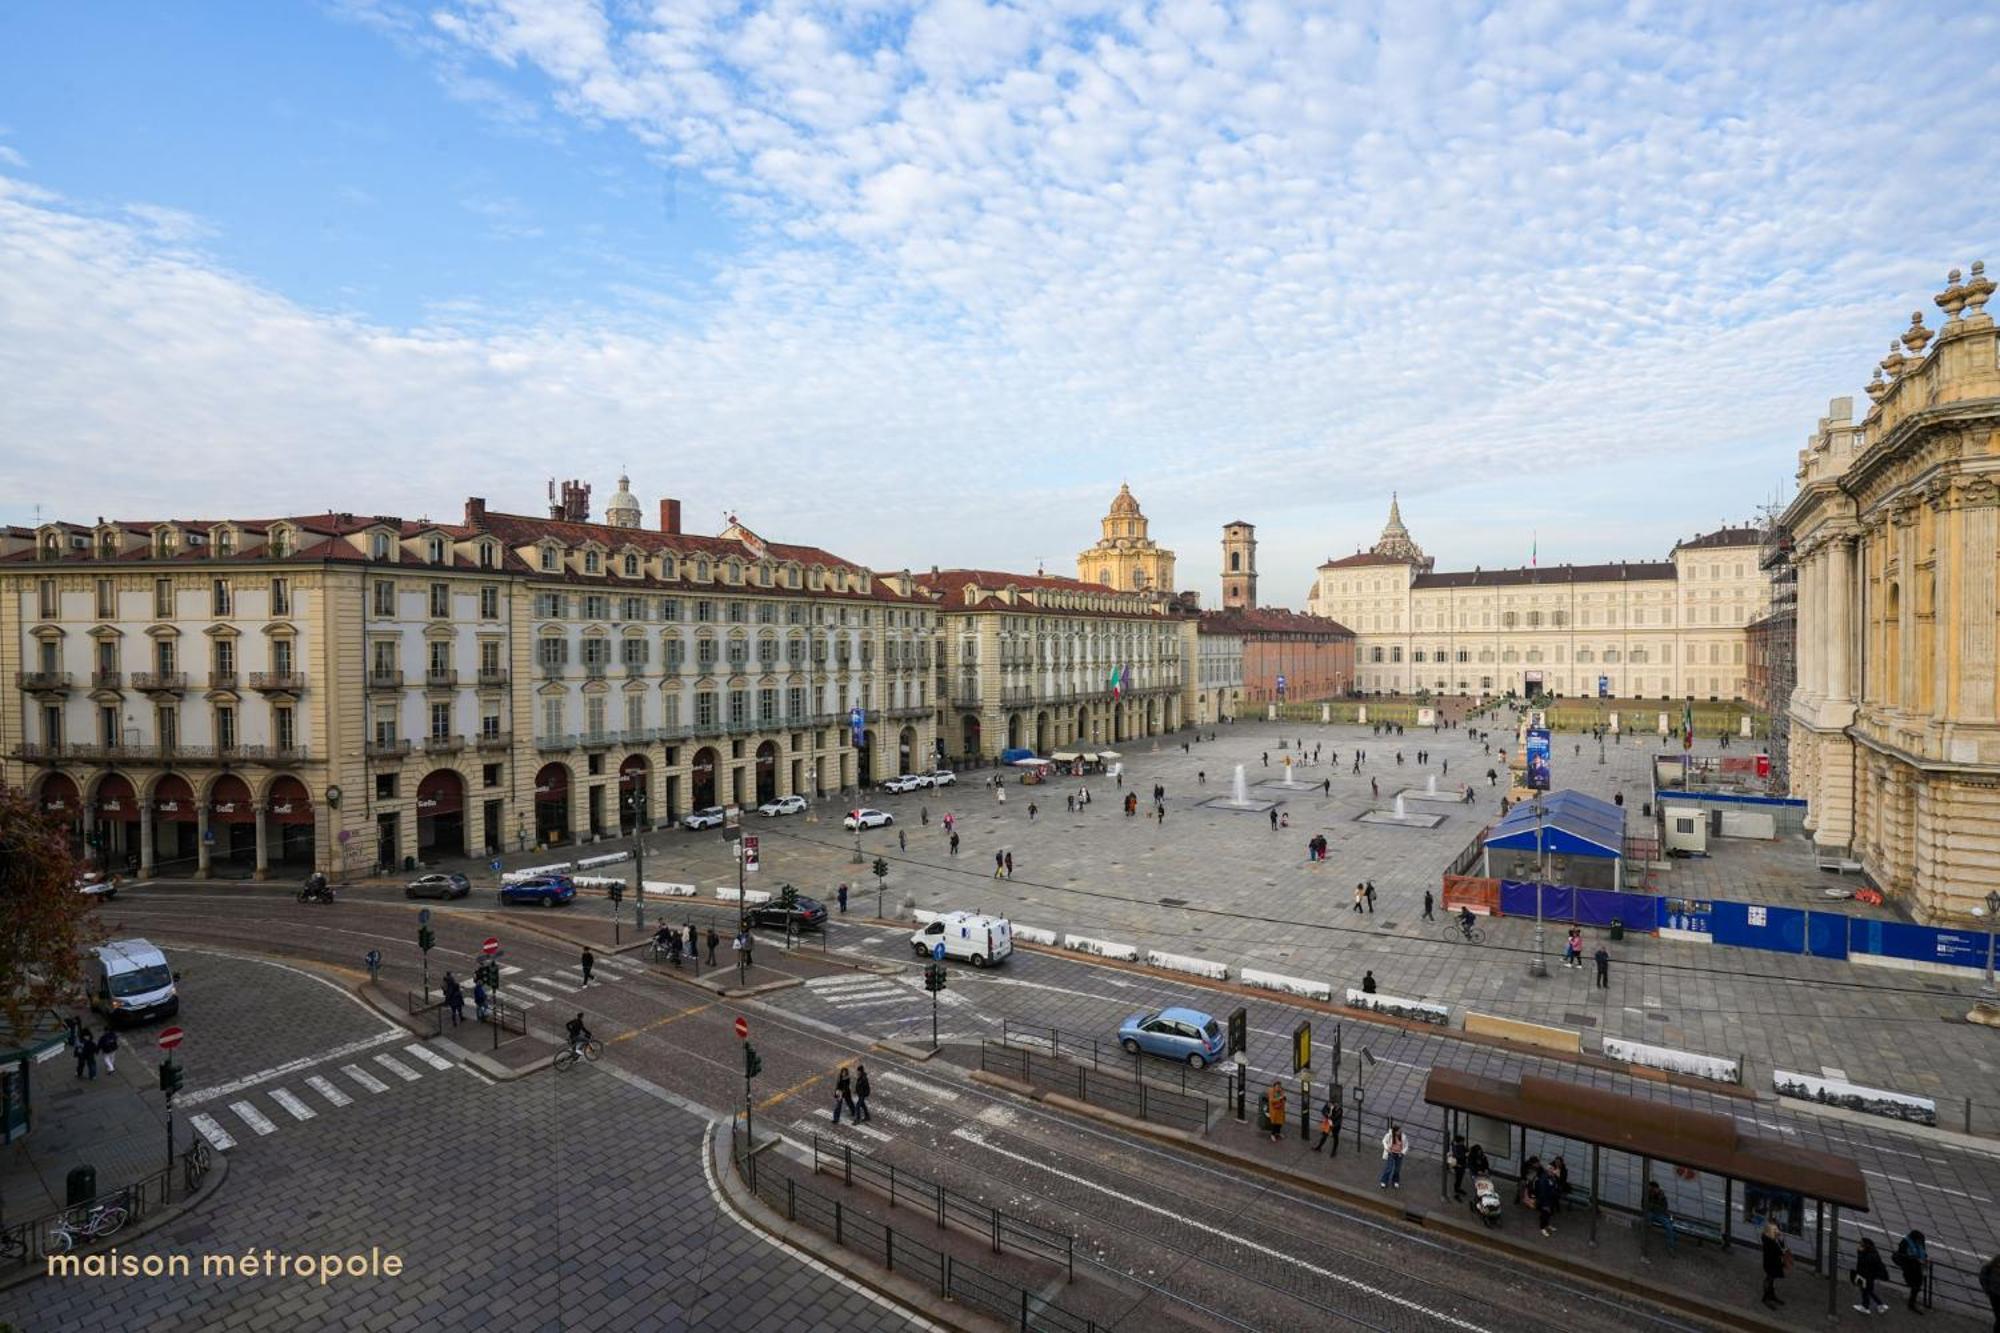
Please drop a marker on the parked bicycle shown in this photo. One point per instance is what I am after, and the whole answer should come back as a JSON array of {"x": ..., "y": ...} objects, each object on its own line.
[
  {"x": 1457, "y": 933},
  {"x": 98, "y": 1222},
  {"x": 588, "y": 1050},
  {"x": 195, "y": 1163}
]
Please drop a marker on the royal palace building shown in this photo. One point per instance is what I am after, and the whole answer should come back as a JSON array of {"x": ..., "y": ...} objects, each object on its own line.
[
  {"x": 1649, "y": 629},
  {"x": 1895, "y": 535},
  {"x": 341, "y": 691}
]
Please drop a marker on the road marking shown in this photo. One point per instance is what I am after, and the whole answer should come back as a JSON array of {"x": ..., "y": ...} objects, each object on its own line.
[
  {"x": 204, "y": 1095},
  {"x": 534, "y": 995},
  {"x": 364, "y": 1078},
  {"x": 253, "y": 1117},
  {"x": 326, "y": 1089},
  {"x": 863, "y": 1131},
  {"x": 974, "y": 1137},
  {"x": 1941, "y": 1189},
  {"x": 217, "y": 1136},
  {"x": 557, "y": 983},
  {"x": 617, "y": 967},
  {"x": 299, "y": 1110},
  {"x": 508, "y": 970},
  {"x": 428, "y": 1056},
  {"x": 917, "y": 1086},
  {"x": 874, "y": 939},
  {"x": 873, "y": 1004},
  {"x": 835, "y": 983},
  {"x": 662, "y": 1022},
  {"x": 825, "y": 1130},
  {"x": 893, "y": 1116},
  {"x": 398, "y": 1068}
]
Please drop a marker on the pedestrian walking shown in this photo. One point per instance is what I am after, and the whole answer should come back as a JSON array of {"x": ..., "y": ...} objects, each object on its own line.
[
  {"x": 1010, "y": 865},
  {"x": 86, "y": 1051},
  {"x": 954, "y": 844},
  {"x": 999, "y": 863},
  {"x": 1371, "y": 897},
  {"x": 1368, "y": 983},
  {"x": 1374, "y": 790},
  {"x": 840, "y": 894},
  {"x": 1267, "y": 758},
  {"x": 713, "y": 940},
  {"x": 1274, "y": 1110},
  {"x": 1394, "y": 1145},
  {"x": 1603, "y": 957},
  {"x": 1573, "y": 949},
  {"x": 843, "y": 1095},
  {"x": 924, "y": 815},
  {"x": 1868, "y": 1270},
  {"x": 694, "y": 946},
  {"x": 373, "y": 961},
  {"x": 1326, "y": 787},
  {"x": 1070, "y": 802},
  {"x": 1032, "y": 812},
  {"x": 454, "y": 999},
  {"x": 107, "y": 1049},
  {"x": 902, "y": 841},
  {"x": 1912, "y": 1261},
  {"x": 1777, "y": 1262},
  {"x": 1989, "y": 1282},
  {"x": 1455, "y": 1159},
  {"x": 1427, "y": 905},
  {"x": 1201, "y": 777},
  {"x": 1274, "y": 819},
  {"x": 1359, "y": 894},
  {"x": 1329, "y": 1126},
  {"x": 479, "y": 1005},
  {"x": 1546, "y": 1193},
  {"x": 589, "y": 961},
  {"x": 861, "y": 1093}
]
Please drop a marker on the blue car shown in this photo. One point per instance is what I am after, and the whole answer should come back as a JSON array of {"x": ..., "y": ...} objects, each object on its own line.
[
  {"x": 1177, "y": 1034},
  {"x": 548, "y": 890}
]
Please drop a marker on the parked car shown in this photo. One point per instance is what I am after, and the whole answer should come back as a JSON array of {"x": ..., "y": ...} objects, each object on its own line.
[
  {"x": 976, "y": 938},
  {"x": 861, "y": 819},
  {"x": 907, "y": 782},
  {"x": 944, "y": 777},
  {"x": 784, "y": 805},
  {"x": 1175, "y": 1034},
  {"x": 810, "y": 914},
  {"x": 438, "y": 886},
  {"x": 97, "y": 884},
  {"x": 707, "y": 817},
  {"x": 548, "y": 890}
]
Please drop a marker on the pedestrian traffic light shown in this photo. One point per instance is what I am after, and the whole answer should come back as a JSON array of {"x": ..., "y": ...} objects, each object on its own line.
[
  {"x": 617, "y": 891},
  {"x": 934, "y": 976},
  {"x": 170, "y": 1077},
  {"x": 1302, "y": 1047},
  {"x": 788, "y": 898},
  {"x": 426, "y": 938},
  {"x": 753, "y": 1063}
]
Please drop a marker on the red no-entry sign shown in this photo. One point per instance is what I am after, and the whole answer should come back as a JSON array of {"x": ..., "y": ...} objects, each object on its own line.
[
  {"x": 170, "y": 1038},
  {"x": 492, "y": 945},
  {"x": 742, "y": 1028}
]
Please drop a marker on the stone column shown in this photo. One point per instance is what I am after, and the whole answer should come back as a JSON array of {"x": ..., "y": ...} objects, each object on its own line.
[
  {"x": 145, "y": 841},
  {"x": 1980, "y": 526},
  {"x": 1906, "y": 610},
  {"x": 1839, "y": 622},
  {"x": 201, "y": 839},
  {"x": 263, "y": 843}
]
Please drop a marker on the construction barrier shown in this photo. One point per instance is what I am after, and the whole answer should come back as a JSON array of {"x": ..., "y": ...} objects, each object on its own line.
[
  {"x": 1476, "y": 892},
  {"x": 1537, "y": 1035}
]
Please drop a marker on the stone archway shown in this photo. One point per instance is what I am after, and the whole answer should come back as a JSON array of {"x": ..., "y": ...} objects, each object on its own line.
[
  {"x": 767, "y": 772},
  {"x": 440, "y": 814},
  {"x": 114, "y": 809},
  {"x": 907, "y": 758},
  {"x": 232, "y": 822},
  {"x": 289, "y": 811},
  {"x": 176, "y": 826},
  {"x": 635, "y": 791},
  {"x": 1083, "y": 736},
  {"x": 1044, "y": 742},
  {"x": 552, "y": 804},
  {"x": 702, "y": 778},
  {"x": 968, "y": 734},
  {"x": 58, "y": 798},
  {"x": 864, "y": 759},
  {"x": 1013, "y": 731}
]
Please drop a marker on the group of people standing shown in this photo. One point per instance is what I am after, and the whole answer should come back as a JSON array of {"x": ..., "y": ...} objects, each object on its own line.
[{"x": 89, "y": 1047}]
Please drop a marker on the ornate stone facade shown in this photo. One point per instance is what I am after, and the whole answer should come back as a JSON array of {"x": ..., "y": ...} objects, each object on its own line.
[
  {"x": 1126, "y": 558},
  {"x": 1896, "y": 530}
]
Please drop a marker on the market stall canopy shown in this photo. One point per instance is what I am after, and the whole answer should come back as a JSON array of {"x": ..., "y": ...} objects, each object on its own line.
[
  {"x": 1567, "y": 823},
  {"x": 1066, "y": 756}
]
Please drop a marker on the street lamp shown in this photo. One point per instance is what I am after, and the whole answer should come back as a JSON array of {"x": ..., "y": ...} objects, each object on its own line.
[
  {"x": 1988, "y": 996},
  {"x": 1538, "y": 966}
]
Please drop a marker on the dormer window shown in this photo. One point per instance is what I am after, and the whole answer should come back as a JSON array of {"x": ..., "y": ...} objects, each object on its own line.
[
  {"x": 225, "y": 542},
  {"x": 281, "y": 542},
  {"x": 437, "y": 550},
  {"x": 631, "y": 565},
  {"x": 378, "y": 545},
  {"x": 701, "y": 569},
  {"x": 107, "y": 545},
  {"x": 163, "y": 543},
  {"x": 590, "y": 562},
  {"x": 487, "y": 556},
  {"x": 551, "y": 559}
]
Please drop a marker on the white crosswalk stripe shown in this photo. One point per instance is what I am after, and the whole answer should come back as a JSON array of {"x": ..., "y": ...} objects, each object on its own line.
[
  {"x": 617, "y": 967},
  {"x": 364, "y": 1078},
  {"x": 827, "y": 1129},
  {"x": 892, "y": 1115},
  {"x": 870, "y": 1004},
  {"x": 428, "y": 1056},
  {"x": 861, "y": 993},
  {"x": 253, "y": 1117},
  {"x": 518, "y": 991},
  {"x": 917, "y": 1086},
  {"x": 217, "y": 1136},
  {"x": 326, "y": 1089},
  {"x": 556, "y": 983},
  {"x": 298, "y": 1109},
  {"x": 835, "y": 983},
  {"x": 398, "y": 1068},
  {"x": 508, "y": 970}
]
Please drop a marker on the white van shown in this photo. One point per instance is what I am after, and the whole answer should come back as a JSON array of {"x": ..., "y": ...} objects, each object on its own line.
[
  {"x": 968, "y": 935},
  {"x": 131, "y": 982}
]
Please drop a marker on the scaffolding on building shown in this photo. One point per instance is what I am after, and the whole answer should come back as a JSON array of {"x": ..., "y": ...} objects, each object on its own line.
[{"x": 1774, "y": 645}]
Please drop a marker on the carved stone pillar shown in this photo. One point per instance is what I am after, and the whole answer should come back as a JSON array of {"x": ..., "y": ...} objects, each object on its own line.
[
  {"x": 1974, "y": 607},
  {"x": 1839, "y": 602}
]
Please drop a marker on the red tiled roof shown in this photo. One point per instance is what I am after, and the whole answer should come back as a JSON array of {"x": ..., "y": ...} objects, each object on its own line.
[
  {"x": 949, "y": 586},
  {"x": 1270, "y": 620}
]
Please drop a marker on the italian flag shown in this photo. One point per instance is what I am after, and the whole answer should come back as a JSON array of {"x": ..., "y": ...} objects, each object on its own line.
[
  {"x": 1687, "y": 726},
  {"x": 1117, "y": 681}
]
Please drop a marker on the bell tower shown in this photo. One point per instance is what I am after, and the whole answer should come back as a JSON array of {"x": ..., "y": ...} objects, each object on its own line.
[{"x": 1239, "y": 566}]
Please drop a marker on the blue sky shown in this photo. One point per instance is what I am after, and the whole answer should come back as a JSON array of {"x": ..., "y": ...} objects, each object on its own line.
[{"x": 924, "y": 282}]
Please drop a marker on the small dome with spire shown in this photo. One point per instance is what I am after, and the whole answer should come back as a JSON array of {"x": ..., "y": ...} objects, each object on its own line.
[
  {"x": 1125, "y": 505},
  {"x": 623, "y": 511},
  {"x": 1396, "y": 543}
]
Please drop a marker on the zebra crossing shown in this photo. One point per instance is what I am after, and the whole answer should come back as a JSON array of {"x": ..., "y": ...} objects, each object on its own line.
[
  {"x": 517, "y": 984},
  {"x": 882, "y": 1005},
  {"x": 246, "y": 1116}
]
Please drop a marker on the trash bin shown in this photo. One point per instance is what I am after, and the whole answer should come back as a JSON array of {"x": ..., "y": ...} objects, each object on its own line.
[
  {"x": 1617, "y": 929},
  {"x": 81, "y": 1184}
]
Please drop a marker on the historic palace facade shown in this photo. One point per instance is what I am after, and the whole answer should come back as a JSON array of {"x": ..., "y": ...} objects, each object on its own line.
[
  {"x": 1896, "y": 533},
  {"x": 1651, "y": 629},
  {"x": 339, "y": 691}
]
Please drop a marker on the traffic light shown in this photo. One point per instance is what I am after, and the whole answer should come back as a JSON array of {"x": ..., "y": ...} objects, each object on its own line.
[
  {"x": 617, "y": 891},
  {"x": 880, "y": 869},
  {"x": 1239, "y": 1031},
  {"x": 934, "y": 976},
  {"x": 753, "y": 1063},
  {"x": 788, "y": 898},
  {"x": 170, "y": 1077},
  {"x": 489, "y": 972},
  {"x": 426, "y": 938},
  {"x": 1302, "y": 1047}
]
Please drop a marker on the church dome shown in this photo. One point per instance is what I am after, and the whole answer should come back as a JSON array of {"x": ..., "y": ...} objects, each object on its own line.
[
  {"x": 623, "y": 511},
  {"x": 1125, "y": 506}
]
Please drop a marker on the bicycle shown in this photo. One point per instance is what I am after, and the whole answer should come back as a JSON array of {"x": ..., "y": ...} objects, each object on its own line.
[
  {"x": 100, "y": 1221},
  {"x": 1472, "y": 934},
  {"x": 195, "y": 1163},
  {"x": 589, "y": 1050}
]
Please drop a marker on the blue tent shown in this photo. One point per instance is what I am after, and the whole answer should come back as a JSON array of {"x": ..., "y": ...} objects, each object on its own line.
[{"x": 1570, "y": 824}]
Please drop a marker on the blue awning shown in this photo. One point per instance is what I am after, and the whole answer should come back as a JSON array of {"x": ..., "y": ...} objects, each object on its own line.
[{"x": 1570, "y": 824}]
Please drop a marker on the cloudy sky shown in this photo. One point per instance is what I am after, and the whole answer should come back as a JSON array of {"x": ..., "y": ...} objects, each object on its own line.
[{"x": 922, "y": 283}]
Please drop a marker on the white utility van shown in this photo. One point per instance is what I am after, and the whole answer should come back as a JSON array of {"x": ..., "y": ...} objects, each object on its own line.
[
  {"x": 131, "y": 982},
  {"x": 977, "y": 939}
]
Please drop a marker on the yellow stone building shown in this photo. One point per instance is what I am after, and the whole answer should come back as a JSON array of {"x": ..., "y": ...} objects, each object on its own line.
[
  {"x": 1126, "y": 558},
  {"x": 1895, "y": 717}
]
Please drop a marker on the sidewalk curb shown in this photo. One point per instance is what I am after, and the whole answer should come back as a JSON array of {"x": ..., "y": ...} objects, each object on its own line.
[
  {"x": 218, "y": 1171},
  {"x": 919, "y": 1054},
  {"x": 1668, "y": 1297},
  {"x": 371, "y": 994},
  {"x": 893, "y": 1287}
]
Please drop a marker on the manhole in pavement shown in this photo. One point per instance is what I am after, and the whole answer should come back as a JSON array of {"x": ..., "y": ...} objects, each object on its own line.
[
  {"x": 1173, "y": 902},
  {"x": 1581, "y": 1020}
]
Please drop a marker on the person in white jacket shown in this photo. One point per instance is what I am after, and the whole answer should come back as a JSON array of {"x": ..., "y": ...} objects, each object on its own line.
[{"x": 1393, "y": 1147}]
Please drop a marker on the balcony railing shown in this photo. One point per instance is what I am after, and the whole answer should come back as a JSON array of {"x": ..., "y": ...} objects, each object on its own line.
[
  {"x": 388, "y": 749},
  {"x": 172, "y": 682},
  {"x": 279, "y": 681},
  {"x": 443, "y": 744},
  {"x": 596, "y": 669},
  {"x": 491, "y": 676},
  {"x": 445, "y": 679},
  {"x": 107, "y": 680},
  {"x": 222, "y": 680},
  {"x": 598, "y": 740},
  {"x": 42, "y": 680},
  {"x": 384, "y": 679},
  {"x": 712, "y": 727},
  {"x": 547, "y": 744}
]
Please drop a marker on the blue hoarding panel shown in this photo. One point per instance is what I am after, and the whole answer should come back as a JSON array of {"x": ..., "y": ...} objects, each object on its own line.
[
  {"x": 1754, "y": 926},
  {"x": 1920, "y": 944},
  {"x": 1516, "y": 898},
  {"x": 1600, "y": 907},
  {"x": 1826, "y": 934},
  {"x": 1558, "y": 902}
]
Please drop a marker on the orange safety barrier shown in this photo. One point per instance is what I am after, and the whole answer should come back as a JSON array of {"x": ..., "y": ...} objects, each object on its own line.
[{"x": 1474, "y": 891}]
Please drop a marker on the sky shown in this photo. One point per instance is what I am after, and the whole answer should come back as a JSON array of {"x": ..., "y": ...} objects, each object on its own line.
[{"x": 922, "y": 283}]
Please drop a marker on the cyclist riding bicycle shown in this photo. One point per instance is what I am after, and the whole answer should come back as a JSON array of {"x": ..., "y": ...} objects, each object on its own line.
[
  {"x": 1465, "y": 921},
  {"x": 578, "y": 1034}
]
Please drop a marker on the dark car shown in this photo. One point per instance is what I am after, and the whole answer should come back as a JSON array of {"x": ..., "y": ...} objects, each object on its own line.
[
  {"x": 438, "y": 886},
  {"x": 810, "y": 914},
  {"x": 548, "y": 890}
]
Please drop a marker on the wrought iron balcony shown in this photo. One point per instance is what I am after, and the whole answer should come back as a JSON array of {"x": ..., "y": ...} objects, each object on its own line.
[
  {"x": 499, "y": 740},
  {"x": 160, "y": 682},
  {"x": 385, "y": 679},
  {"x": 444, "y": 679},
  {"x": 222, "y": 680},
  {"x": 547, "y": 744},
  {"x": 278, "y": 682},
  {"x": 443, "y": 744},
  {"x": 388, "y": 749},
  {"x": 492, "y": 676},
  {"x": 43, "y": 682},
  {"x": 107, "y": 680},
  {"x": 598, "y": 740}
]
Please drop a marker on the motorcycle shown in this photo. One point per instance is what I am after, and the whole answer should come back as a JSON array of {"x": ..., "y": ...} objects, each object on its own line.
[{"x": 316, "y": 890}]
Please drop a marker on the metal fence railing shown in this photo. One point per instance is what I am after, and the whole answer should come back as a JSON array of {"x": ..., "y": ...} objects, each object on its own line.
[
  {"x": 899, "y": 1251},
  {"x": 31, "y": 1240},
  {"x": 1119, "y": 1091},
  {"x": 428, "y": 1015},
  {"x": 1105, "y": 1053}
]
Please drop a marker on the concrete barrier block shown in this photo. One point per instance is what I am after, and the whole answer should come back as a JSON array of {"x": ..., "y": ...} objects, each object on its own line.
[
  {"x": 665, "y": 890},
  {"x": 1033, "y": 935},
  {"x": 1855, "y": 1097},
  {"x": 1712, "y": 1067},
  {"x": 607, "y": 859},
  {"x": 1312, "y": 990},
  {"x": 1397, "y": 1006},
  {"x": 596, "y": 881},
  {"x": 1201, "y": 967},
  {"x": 531, "y": 872},
  {"x": 727, "y": 893},
  {"x": 923, "y": 918},
  {"x": 1125, "y": 953},
  {"x": 1527, "y": 1034}
]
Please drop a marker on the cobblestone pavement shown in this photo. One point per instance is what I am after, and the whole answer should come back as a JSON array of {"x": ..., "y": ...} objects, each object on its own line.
[{"x": 572, "y": 1202}]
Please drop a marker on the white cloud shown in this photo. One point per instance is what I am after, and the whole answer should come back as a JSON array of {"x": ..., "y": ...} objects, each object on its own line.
[{"x": 1260, "y": 258}]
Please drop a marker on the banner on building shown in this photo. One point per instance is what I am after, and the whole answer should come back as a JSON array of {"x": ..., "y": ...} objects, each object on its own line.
[{"x": 1538, "y": 758}]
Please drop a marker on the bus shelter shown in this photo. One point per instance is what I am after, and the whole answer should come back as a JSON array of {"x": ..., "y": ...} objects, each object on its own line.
[{"x": 1656, "y": 1132}]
